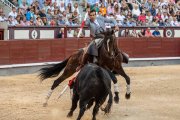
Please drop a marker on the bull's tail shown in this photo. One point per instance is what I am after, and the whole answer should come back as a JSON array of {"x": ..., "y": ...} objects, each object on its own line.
[
  {"x": 103, "y": 78},
  {"x": 53, "y": 70}
]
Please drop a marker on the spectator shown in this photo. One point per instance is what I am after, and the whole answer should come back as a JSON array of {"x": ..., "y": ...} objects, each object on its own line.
[
  {"x": 153, "y": 10},
  {"x": 103, "y": 10},
  {"x": 158, "y": 15},
  {"x": 120, "y": 16},
  {"x": 49, "y": 15},
  {"x": 131, "y": 23},
  {"x": 60, "y": 33},
  {"x": 116, "y": 9},
  {"x": 142, "y": 7},
  {"x": 31, "y": 22},
  {"x": 110, "y": 9},
  {"x": 174, "y": 22},
  {"x": 161, "y": 23},
  {"x": 162, "y": 3},
  {"x": 156, "y": 33},
  {"x": 13, "y": 13},
  {"x": 149, "y": 17},
  {"x": 62, "y": 8},
  {"x": 164, "y": 16},
  {"x": 75, "y": 15},
  {"x": 148, "y": 32},
  {"x": 125, "y": 23},
  {"x": 39, "y": 22},
  {"x": 42, "y": 13},
  {"x": 119, "y": 22},
  {"x": 44, "y": 19},
  {"x": 167, "y": 23},
  {"x": 2, "y": 16},
  {"x": 69, "y": 8},
  {"x": 178, "y": 16},
  {"x": 129, "y": 15},
  {"x": 134, "y": 34},
  {"x": 136, "y": 12},
  {"x": 148, "y": 5},
  {"x": 41, "y": 4},
  {"x": 29, "y": 2},
  {"x": 141, "y": 33},
  {"x": 76, "y": 33},
  {"x": 56, "y": 13},
  {"x": 76, "y": 8},
  {"x": 53, "y": 21},
  {"x": 96, "y": 7},
  {"x": 155, "y": 22},
  {"x": 24, "y": 7},
  {"x": 142, "y": 17},
  {"x": 126, "y": 33},
  {"x": 11, "y": 21},
  {"x": 23, "y": 21},
  {"x": 20, "y": 12},
  {"x": 171, "y": 10},
  {"x": 61, "y": 21},
  {"x": 28, "y": 14}
]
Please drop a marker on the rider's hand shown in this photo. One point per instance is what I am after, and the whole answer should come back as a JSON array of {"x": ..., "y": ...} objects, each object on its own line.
[{"x": 116, "y": 28}]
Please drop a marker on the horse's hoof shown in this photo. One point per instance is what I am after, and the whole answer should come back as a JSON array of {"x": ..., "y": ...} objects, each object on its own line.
[
  {"x": 93, "y": 118},
  {"x": 70, "y": 114},
  {"x": 128, "y": 96},
  {"x": 45, "y": 104},
  {"x": 107, "y": 109},
  {"x": 116, "y": 99}
]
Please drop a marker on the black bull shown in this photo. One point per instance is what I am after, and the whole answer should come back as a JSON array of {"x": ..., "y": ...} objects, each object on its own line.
[{"x": 93, "y": 84}]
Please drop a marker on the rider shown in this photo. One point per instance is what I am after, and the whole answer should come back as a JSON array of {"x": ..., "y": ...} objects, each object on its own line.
[{"x": 96, "y": 25}]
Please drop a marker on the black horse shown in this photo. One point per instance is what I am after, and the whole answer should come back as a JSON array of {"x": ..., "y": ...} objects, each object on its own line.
[{"x": 93, "y": 84}]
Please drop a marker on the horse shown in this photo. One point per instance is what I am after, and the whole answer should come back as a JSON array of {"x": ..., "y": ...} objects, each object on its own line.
[
  {"x": 93, "y": 84},
  {"x": 110, "y": 57}
]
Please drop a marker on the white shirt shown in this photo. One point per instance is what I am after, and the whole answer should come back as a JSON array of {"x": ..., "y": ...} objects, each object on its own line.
[
  {"x": 14, "y": 15},
  {"x": 136, "y": 12}
]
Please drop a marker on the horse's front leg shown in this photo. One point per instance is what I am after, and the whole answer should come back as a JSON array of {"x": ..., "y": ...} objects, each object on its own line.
[{"x": 128, "y": 88}]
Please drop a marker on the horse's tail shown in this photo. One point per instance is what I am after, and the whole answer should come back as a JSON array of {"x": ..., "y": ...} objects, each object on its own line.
[
  {"x": 104, "y": 79},
  {"x": 53, "y": 70}
]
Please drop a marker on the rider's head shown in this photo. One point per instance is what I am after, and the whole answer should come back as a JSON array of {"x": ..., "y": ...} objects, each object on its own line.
[{"x": 92, "y": 15}]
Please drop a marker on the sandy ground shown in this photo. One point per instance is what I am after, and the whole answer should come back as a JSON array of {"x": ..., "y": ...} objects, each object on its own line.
[{"x": 155, "y": 96}]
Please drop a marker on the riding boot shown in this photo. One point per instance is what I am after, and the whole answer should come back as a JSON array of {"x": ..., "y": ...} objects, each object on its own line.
[
  {"x": 125, "y": 57},
  {"x": 83, "y": 62}
]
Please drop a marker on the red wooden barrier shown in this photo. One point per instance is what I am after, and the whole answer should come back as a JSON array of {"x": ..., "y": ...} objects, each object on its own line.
[{"x": 32, "y": 51}]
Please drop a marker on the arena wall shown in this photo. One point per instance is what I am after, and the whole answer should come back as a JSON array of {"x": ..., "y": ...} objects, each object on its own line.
[
  {"x": 28, "y": 56},
  {"x": 36, "y": 51}
]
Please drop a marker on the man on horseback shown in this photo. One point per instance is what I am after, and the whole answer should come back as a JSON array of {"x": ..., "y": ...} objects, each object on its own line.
[{"x": 96, "y": 25}]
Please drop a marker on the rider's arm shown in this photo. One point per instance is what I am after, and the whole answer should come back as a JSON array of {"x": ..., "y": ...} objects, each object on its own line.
[{"x": 110, "y": 20}]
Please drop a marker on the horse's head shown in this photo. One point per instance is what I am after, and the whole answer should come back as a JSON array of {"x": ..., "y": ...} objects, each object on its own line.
[{"x": 109, "y": 40}]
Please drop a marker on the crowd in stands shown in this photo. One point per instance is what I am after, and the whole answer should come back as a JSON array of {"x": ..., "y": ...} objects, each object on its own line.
[{"x": 128, "y": 13}]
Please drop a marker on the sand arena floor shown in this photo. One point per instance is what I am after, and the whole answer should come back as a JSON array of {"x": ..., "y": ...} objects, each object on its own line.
[{"x": 155, "y": 96}]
